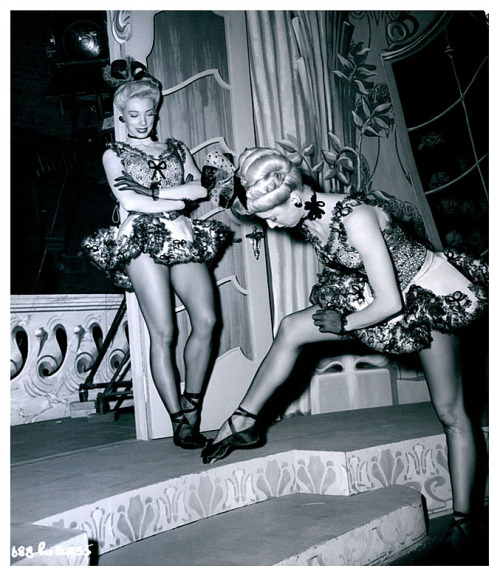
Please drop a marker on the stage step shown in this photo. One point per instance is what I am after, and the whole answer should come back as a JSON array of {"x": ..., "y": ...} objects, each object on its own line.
[
  {"x": 346, "y": 456},
  {"x": 32, "y": 545},
  {"x": 371, "y": 528}
]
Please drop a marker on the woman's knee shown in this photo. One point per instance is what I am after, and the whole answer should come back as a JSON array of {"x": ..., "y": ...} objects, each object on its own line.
[
  {"x": 162, "y": 337},
  {"x": 204, "y": 325},
  {"x": 290, "y": 331},
  {"x": 452, "y": 415}
]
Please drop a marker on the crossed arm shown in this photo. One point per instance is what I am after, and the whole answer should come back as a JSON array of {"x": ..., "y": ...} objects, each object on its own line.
[{"x": 134, "y": 197}]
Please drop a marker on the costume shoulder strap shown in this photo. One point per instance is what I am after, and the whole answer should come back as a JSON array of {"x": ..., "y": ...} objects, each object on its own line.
[
  {"x": 345, "y": 206},
  {"x": 176, "y": 147},
  {"x": 117, "y": 147}
]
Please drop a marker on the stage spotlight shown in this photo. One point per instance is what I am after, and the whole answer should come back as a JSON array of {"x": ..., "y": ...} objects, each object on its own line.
[{"x": 84, "y": 40}]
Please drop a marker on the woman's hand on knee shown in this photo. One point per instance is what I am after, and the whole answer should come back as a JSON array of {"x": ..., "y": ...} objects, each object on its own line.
[{"x": 328, "y": 321}]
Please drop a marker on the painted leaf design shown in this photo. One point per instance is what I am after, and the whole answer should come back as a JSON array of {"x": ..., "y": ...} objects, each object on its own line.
[
  {"x": 342, "y": 178},
  {"x": 309, "y": 150},
  {"x": 335, "y": 141},
  {"x": 382, "y": 108},
  {"x": 330, "y": 157},
  {"x": 286, "y": 145},
  {"x": 363, "y": 72},
  {"x": 380, "y": 122},
  {"x": 363, "y": 51},
  {"x": 346, "y": 63},
  {"x": 318, "y": 167},
  {"x": 341, "y": 75},
  {"x": 346, "y": 163},
  {"x": 370, "y": 131},
  {"x": 360, "y": 87},
  {"x": 361, "y": 56},
  {"x": 296, "y": 159},
  {"x": 357, "y": 120},
  {"x": 366, "y": 108}
]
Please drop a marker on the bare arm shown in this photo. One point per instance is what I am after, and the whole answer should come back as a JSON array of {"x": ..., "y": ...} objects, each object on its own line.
[
  {"x": 192, "y": 190},
  {"x": 128, "y": 198},
  {"x": 364, "y": 234}
]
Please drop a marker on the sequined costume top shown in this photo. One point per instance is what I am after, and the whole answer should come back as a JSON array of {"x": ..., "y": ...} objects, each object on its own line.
[
  {"x": 437, "y": 296},
  {"x": 168, "y": 237},
  {"x": 408, "y": 255},
  {"x": 166, "y": 168}
]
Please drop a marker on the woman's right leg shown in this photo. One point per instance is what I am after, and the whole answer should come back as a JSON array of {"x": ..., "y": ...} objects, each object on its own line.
[
  {"x": 151, "y": 283},
  {"x": 441, "y": 363},
  {"x": 295, "y": 331}
]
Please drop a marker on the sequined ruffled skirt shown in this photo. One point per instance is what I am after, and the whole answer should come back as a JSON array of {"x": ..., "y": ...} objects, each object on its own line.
[
  {"x": 448, "y": 293},
  {"x": 169, "y": 241}
]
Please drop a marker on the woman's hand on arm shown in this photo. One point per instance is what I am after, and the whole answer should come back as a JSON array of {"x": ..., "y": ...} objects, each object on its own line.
[
  {"x": 132, "y": 196},
  {"x": 191, "y": 188},
  {"x": 329, "y": 321},
  {"x": 126, "y": 182},
  {"x": 365, "y": 235}
]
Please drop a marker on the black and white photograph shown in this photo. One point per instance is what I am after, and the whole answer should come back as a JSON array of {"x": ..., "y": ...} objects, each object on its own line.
[{"x": 249, "y": 287}]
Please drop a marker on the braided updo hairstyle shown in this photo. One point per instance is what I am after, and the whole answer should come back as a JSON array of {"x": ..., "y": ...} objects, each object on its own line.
[{"x": 268, "y": 178}]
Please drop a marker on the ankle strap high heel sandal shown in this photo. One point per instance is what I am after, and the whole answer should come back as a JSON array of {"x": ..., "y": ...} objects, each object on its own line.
[
  {"x": 194, "y": 411},
  {"x": 184, "y": 434},
  {"x": 249, "y": 438}
]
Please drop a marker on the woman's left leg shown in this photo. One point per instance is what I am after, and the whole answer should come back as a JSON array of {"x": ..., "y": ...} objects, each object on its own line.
[
  {"x": 193, "y": 284},
  {"x": 296, "y": 330}
]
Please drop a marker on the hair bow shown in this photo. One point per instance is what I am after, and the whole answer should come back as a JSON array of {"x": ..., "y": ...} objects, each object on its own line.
[{"x": 123, "y": 70}]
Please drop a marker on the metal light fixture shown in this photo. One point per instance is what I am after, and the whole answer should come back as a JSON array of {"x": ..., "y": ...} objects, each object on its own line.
[{"x": 83, "y": 40}]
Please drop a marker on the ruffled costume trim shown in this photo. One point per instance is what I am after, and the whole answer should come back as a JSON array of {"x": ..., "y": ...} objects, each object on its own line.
[
  {"x": 347, "y": 290},
  {"x": 111, "y": 252},
  {"x": 170, "y": 238}
]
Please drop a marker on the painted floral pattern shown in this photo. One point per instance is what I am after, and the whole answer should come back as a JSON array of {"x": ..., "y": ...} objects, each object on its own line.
[{"x": 147, "y": 511}]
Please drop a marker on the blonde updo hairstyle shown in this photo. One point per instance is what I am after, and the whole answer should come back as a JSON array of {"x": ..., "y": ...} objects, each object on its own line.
[
  {"x": 268, "y": 178},
  {"x": 146, "y": 87}
]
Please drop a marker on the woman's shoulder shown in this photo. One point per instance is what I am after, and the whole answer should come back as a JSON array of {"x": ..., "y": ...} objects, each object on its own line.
[
  {"x": 344, "y": 204},
  {"x": 111, "y": 152},
  {"x": 177, "y": 146},
  {"x": 115, "y": 147}
]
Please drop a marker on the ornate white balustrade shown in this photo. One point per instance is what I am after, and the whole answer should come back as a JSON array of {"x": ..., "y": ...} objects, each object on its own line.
[{"x": 55, "y": 340}]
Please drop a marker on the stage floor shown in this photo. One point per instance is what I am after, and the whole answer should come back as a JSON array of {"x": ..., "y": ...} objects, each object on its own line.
[{"x": 58, "y": 465}]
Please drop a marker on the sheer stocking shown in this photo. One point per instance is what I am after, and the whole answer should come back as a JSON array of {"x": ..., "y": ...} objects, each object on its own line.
[
  {"x": 151, "y": 284},
  {"x": 441, "y": 364},
  {"x": 296, "y": 330}
]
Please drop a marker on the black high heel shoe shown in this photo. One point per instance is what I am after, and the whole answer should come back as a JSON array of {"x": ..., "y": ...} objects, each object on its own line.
[
  {"x": 460, "y": 546},
  {"x": 184, "y": 434},
  {"x": 249, "y": 438},
  {"x": 194, "y": 409}
]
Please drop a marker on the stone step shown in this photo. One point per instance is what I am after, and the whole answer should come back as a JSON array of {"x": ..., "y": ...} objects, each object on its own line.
[
  {"x": 328, "y": 457},
  {"x": 302, "y": 529},
  {"x": 166, "y": 488},
  {"x": 33, "y": 545}
]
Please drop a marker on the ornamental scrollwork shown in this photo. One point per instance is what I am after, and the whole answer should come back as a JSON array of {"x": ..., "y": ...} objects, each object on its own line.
[
  {"x": 121, "y": 26},
  {"x": 400, "y": 27}
]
